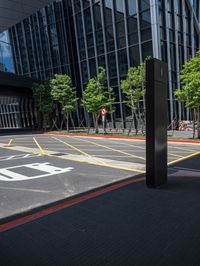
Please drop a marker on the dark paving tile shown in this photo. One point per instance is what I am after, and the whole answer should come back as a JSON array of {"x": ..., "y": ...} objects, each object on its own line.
[{"x": 132, "y": 225}]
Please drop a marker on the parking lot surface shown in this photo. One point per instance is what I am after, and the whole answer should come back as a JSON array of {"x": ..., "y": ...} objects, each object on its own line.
[{"x": 36, "y": 170}]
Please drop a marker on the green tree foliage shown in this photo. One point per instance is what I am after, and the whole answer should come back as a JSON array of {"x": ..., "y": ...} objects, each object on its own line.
[
  {"x": 43, "y": 99},
  {"x": 97, "y": 96},
  {"x": 190, "y": 93},
  {"x": 133, "y": 88},
  {"x": 62, "y": 90}
]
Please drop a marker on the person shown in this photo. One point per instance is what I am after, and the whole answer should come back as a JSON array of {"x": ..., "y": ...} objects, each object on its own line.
[
  {"x": 174, "y": 125},
  {"x": 181, "y": 126}
]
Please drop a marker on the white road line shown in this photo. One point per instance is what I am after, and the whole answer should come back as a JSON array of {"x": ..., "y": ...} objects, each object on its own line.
[
  {"x": 26, "y": 189},
  {"x": 17, "y": 157}
]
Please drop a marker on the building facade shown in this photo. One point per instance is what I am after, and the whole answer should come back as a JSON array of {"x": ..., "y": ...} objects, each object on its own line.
[
  {"x": 17, "y": 108},
  {"x": 6, "y": 60},
  {"x": 77, "y": 36}
]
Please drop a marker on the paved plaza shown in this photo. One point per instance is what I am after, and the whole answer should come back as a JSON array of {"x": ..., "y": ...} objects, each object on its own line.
[
  {"x": 38, "y": 170},
  {"x": 121, "y": 223}
]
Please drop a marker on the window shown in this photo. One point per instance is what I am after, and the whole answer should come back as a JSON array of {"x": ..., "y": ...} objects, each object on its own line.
[
  {"x": 134, "y": 55},
  {"x": 146, "y": 50},
  {"x": 145, "y": 20},
  {"x": 112, "y": 65},
  {"x": 131, "y": 7},
  {"x": 143, "y": 5},
  {"x": 123, "y": 65}
]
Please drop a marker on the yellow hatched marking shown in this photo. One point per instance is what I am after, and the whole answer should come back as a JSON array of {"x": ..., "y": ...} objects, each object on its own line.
[
  {"x": 99, "y": 164},
  {"x": 184, "y": 158},
  {"x": 21, "y": 150},
  {"x": 80, "y": 151},
  {"x": 109, "y": 148},
  {"x": 38, "y": 145},
  {"x": 98, "y": 161},
  {"x": 76, "y": 160},
  {"x": 128, "y": 145},
  {"x": 169, "y": 153},
  {"x": 72, "y": 147}
]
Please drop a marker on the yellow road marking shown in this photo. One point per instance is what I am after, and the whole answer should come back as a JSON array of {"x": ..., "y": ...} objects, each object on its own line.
[
  {"x": 20, "y": 150},
  {"x": 113, "y": 156},
  {"x": 99, "y": 164},
  {"x": 72, "y": 147},
  {"x": 176, "y": 155},
  {"x": 92, "y": 149},
  {"x": 126, "y": 144},
  {"x": 80, "y": 151},
  {"x": 184, "y": 158},
  {"x": 106, "y": 147},
  {"x": 169, "y": 153},
  {"x": 9, "y": 143},
  {"x": 75, "y": 160},
  {"x": 38, "y": 145}
]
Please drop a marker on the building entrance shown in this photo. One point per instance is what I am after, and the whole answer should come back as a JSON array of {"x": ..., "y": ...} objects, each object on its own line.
[{"x": 17, "y": 108}]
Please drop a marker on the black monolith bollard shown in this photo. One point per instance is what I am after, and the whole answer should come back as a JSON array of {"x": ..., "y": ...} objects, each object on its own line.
[{"x": 156, "y": 123}]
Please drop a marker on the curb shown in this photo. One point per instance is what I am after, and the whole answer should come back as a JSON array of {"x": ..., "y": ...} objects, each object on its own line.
[
  {"x": 41, "y": 211},
  {"x": 118, "y": 137}
]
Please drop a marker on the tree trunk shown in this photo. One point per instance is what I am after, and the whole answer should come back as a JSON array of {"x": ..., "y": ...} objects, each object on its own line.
[
  {"x": 137, "y": 123},
  {"x": 62, "y": 120},
  {"x": 61, "y": 125},
  {"x": 142, "y": 124},
  {"x": 72, "y": 120},
  {"x": 67, "y": 117},
  {"x": 45, "y": 122},
  {"x": 198, "y": 122},
  {"x": 129, "y": 131},
  {"x": 96, "y": 124},
  {"x": 194, "y": 120},
  {"x": 139, "y": 119}
]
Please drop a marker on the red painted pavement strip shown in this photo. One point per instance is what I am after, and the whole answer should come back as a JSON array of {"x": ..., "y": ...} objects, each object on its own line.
[
  {"x": 60, "y": 206},
  {"x": 118, "y": 137},
  {"x": 91, "y": 136}
]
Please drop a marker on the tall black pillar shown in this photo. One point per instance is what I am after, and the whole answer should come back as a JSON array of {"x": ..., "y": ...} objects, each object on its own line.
[{"x": 156, "y": 123}]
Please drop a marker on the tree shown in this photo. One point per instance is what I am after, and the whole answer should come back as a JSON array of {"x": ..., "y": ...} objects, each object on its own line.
[
  {"x": 97, "y": 96},
  {"x": 43, "y": 99},
  {"x": 63, "y": 91},
  {"x": 133, "y": 88},
  {"x": 190, "y": 93}
]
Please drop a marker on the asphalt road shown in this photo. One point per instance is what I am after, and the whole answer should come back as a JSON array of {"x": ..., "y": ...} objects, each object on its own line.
[{"x": 36, "y": 170}]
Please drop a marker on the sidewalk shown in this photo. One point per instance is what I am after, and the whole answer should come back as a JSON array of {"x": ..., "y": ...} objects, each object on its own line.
[
  {"x": 176, "y": 134},
  {"x": 131, "y": 225}
]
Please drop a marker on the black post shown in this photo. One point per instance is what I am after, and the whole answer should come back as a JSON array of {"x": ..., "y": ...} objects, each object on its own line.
[{"x": 156, "y": 123}]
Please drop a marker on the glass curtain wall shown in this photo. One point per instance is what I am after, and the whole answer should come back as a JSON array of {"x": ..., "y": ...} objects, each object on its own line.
[
  {"x": 113, "y": 34},
  {"x": 77, "y": 36},
  {"x": 40, "y": 43},
  {"x": 6, "y": 60},
  {"x": 179, "y": 40},
  {"x": 17, "y": 112}
]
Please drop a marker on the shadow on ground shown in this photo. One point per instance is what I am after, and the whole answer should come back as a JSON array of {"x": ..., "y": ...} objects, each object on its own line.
[{"x": 133, "y": 225}]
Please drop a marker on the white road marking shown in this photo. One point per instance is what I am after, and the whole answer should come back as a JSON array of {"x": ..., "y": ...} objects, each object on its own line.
[
  {"x": 9, "y": 174},
  {"x": 18, "y": 156},
  {"x": 26, "y": 189}
]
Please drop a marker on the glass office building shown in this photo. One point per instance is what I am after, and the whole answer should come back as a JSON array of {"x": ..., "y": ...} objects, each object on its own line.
[
  {"x": 77, "y": 36},
  {"x": 17, "y": 109},
  {"x": 6, "y": 60}
]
